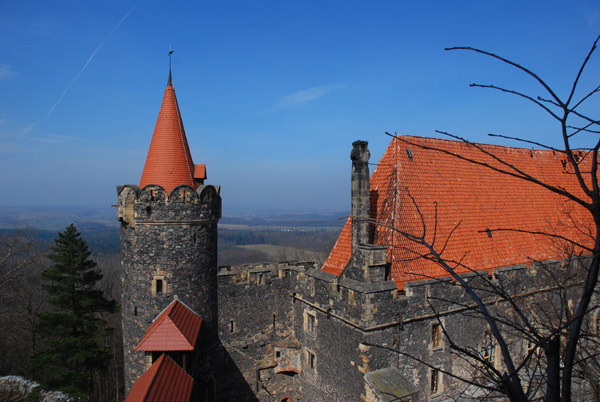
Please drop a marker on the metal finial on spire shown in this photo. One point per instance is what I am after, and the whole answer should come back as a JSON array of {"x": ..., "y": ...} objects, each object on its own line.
[{"x": 170, "y": 83}]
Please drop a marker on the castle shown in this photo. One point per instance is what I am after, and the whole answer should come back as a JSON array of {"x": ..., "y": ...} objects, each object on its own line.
[{"x": 372, "y": 323}]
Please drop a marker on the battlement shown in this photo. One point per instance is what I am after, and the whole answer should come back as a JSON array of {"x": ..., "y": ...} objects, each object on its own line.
[
  {"x": 152, "y": 204},
  {"x": 262, "y": 273}
]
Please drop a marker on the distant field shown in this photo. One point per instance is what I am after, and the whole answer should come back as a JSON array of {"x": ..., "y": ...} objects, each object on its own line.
[
  {"x": 56, "y": 218},
  {"x": 242, "y": 239},
  {"x": 232, "y": 226},
  {"x": 282, "y": 253}
]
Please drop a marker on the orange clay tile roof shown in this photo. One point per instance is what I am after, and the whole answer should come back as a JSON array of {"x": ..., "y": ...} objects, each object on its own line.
[
  {"x": 200, "y": 172},
  {"x": 473, "y": 197},
  {"x": 176, "y": 328},
  {"x": 169, "y": 162},
  {"x": 164, "y": 381}
]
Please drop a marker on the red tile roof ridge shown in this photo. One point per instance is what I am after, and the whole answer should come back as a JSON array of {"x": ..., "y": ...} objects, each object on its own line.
[
  {"x": 156, "y": 384},
  {"x": 405, "y": 138},
  {"x": 171, "y": 305},
  {"x": 165, "y": 316},
  {"x": 151, "y": 330}
]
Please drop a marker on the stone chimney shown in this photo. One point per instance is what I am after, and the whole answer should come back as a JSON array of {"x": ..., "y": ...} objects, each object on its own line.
[{"x": 360, "y": 193}]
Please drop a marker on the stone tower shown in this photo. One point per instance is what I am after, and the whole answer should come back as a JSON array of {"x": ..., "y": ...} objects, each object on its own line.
[{"x": 168, "y": 237}]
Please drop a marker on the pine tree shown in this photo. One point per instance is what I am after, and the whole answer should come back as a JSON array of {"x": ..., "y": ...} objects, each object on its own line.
[{"x": 73, "y": 330}]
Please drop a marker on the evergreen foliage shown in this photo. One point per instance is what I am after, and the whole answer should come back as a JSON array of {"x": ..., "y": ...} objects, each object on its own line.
[{"x": 74, "y": 331}]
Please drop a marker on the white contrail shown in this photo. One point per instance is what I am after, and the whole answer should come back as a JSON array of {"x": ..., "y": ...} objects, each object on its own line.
[{"x": 30, "y": 127}]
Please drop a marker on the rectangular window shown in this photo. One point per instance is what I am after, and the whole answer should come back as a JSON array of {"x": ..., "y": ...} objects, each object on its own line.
[
  {"x": 311, "y": 359},
  {"x": 488, "y": 354},
  {"x": 434, "y": 381},
  {"x": 159, "y": 285},
  {"x": 311, "y": 322},
  {"x": 435, "y": 335}
]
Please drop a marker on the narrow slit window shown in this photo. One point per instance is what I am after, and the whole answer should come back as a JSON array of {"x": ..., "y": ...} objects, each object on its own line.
[
  {"x": 159, "y": 286},
  {"x": 311, "y": 359},
  {"x": 435, "y": 381},
  {"x": 435, "y": 335},
  {"x": 231, "y": 326},
  {"x": 311, "y": 323}
]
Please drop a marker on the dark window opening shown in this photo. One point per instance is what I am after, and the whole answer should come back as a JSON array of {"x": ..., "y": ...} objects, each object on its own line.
[
  {"x": 409, "y": 153},
  {"x": 159, "y": 286},
  {"x": 135, "y": 311},
  {"x": 278, "y": 354},
  {"x": 194, "y": 237},
  {"x": 148, "y": 210},
  {"x": 435, "y": 373},
  {"x": 312, "y": 360},
  {"x": 231, "y": 326},
  {"x": 274, "y": 315}
]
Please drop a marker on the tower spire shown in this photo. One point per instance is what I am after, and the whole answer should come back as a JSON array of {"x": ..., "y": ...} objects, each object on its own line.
[
  {"x": 170, "y": 82},
  {"x": 169, "y": 162}
]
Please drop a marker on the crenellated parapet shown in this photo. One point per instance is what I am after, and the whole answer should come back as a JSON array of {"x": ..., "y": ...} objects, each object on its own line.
[{"x": 152, "y": 204}]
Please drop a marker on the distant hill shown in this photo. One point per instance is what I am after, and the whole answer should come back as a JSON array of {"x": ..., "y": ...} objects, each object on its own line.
[
  {"x": 56, "y": 218},
  {"x": 242, "y": 239}
]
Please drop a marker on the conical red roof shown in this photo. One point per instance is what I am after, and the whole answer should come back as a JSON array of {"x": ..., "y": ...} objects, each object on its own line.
[{"x": 169, "y": 162}]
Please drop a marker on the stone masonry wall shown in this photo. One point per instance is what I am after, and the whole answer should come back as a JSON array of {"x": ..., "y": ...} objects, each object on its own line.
[
  {"x": 172, "y": 239},
  {"x": 255, "y": 325}
]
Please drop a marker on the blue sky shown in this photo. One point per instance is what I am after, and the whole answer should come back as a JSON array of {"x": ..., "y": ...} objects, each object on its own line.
[{"x": 271, "y": 93}]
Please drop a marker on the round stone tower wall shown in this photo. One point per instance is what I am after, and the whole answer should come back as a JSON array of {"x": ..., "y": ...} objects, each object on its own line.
[{"x": 168, "y": 248}]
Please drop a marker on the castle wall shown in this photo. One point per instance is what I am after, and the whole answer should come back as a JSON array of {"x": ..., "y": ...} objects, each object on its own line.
[
  {"x": 291, "y": 330},
  {"x": 255, "y": 323}
]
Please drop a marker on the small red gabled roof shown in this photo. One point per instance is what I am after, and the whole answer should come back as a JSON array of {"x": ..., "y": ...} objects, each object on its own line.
[
  {"x": 200, "y": 171},
  {"x": 470, "y": 199},
  {"x": 176, "y": 328},
  {"x": 164, "y": 381},
  {"x": 169, "y": 162}
]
